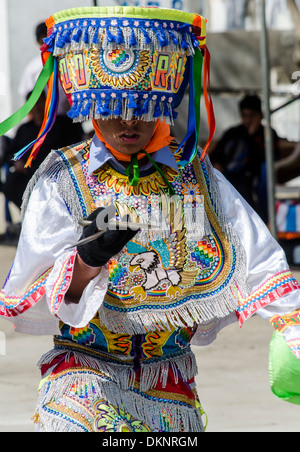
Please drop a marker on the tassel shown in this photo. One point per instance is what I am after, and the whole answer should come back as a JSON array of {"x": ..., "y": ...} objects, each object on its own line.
[
  {"x": 75, "y": 110},
  {"x": 173, "y": 38},
  {"x": 67, "y": 36},
  {"x": 106, "y": 109},
  {"x": 138, "y": 110},
  {"x": 148, "y": 40},
  {"x": 167, "y": 108},
  {"x": 132, "y": 102},
  {"x": 64, "y": 38},
  {"x": 109, "y": 36},
  {"x": 96, "y": 36},
  {"x": 77, "y": 36},
  {"x": 145, "y": 108},
  {"x": 87, "y": 108},
  {"x": 118, "y": 109},
  {"x": 132, "y": 39},
  {"x": 86, "y": 36},
  {"x": 195, "y": 41},
  {"x": 184, "y": 43},
  {"x": 50, "y": 40},
  {"x": 103, "y": 110},
  {"x": 161, "y": 35},
  {"x": 157, "y": 110},
  {"x": 120, "y": 37}
]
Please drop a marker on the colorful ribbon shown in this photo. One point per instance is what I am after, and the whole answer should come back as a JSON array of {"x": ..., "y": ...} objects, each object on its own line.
[
  {"x": 20, "y": 114},
  {"x": 49, "y": 116},
  {"x": 190, "y": 141},
  {"x": 134, "y": 176}
]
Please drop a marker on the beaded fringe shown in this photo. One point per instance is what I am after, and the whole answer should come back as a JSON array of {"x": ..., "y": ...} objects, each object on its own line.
[
  {"x": 153, "y": 412},
  {"x": 193, "y": 311},
  {"x": 124, "y": 376},
  {"x": 106, "y": 33},
  {"x": 113, "y": 104}
]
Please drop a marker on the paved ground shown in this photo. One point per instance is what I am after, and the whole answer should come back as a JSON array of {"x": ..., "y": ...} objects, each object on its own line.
[{"x": 232, "y": 382}]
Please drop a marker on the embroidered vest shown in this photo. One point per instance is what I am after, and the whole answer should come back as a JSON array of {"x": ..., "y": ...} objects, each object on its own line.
[{"x": 186, "y": 269}]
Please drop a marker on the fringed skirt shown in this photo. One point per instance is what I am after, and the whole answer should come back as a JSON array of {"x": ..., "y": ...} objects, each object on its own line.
[{"x": 82, "y": 394}]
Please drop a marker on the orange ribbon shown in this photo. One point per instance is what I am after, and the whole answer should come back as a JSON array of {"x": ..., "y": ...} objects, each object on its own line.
[{"x": 160, "y": 138}]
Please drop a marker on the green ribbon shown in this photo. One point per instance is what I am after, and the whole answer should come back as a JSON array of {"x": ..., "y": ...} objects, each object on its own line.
[
  {"x": 20, "y": 114},
  {"x": 134, "y": 177}
]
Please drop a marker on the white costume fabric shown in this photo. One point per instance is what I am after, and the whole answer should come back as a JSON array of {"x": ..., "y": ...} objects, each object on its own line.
[{"x": 48, "y": 228}]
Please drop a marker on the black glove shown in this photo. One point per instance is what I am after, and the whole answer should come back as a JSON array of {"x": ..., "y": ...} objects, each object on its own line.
[{"x": 98, "y": 252}]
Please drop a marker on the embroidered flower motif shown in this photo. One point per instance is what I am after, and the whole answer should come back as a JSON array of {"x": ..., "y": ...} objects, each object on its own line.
[
  {"x": 191, "y": 192},
  {"x": 113, "y": 419}
]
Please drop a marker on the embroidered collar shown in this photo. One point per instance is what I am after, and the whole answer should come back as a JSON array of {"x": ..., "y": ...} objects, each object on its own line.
[{"x": 99, "y": 155}]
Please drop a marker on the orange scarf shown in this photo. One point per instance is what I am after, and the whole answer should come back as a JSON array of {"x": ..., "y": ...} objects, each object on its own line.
[{"x": 160, "y": 138}]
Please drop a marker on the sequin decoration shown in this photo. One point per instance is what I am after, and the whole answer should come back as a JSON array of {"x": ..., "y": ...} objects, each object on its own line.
[
  {"x": 83, "y": 336},
  {"x": 205, "y": 253},
  {"x": 117, "y": 273},
  {"x": 119, "y": 59},
  {"x": 120, "y": 67},
  {"x": 112, "y": 419}
]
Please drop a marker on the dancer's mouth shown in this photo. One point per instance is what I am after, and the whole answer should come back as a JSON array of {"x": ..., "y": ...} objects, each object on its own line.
[{"x": 129, "y": 137}]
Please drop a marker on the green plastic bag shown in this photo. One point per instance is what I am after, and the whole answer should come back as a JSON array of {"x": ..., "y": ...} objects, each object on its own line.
[{"x": 284, "y": 370}]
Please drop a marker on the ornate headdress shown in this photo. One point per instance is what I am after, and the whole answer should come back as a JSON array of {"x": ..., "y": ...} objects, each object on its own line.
[{"x": 123, "y": 62}]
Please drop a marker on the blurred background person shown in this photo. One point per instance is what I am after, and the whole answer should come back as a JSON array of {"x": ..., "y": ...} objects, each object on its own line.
[{"x": 240, "y": 155}]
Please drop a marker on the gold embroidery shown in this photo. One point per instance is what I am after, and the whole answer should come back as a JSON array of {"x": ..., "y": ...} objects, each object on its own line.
[
  {"x": 152, "y": 183},
  {"x": 76, "y": 167},
  {"x": 68, "y": 410}
]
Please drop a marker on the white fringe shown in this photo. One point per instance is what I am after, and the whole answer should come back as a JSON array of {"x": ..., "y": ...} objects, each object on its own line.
[
  {"x": 149, "y": 411},
  {"x": 124, "y": 375}
]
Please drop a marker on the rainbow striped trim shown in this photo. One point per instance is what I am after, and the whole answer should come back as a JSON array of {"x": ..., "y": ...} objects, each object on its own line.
[
  {"x": 281, "y": 323},
  {"x": 13, "y": 306},
  {"x": 62, "y": 284},
  {"x": 274, "y": 288}
]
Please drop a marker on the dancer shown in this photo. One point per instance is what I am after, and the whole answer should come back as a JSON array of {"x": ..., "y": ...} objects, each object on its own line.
[{"x": 132, "y": 246}]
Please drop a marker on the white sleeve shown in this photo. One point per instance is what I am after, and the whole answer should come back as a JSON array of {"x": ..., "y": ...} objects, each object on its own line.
[
  {"x": 275, "y": 294},
  {"x": 42, "y": 269}
]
